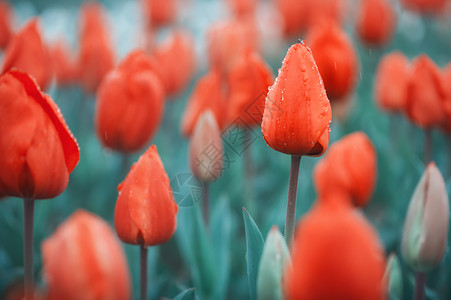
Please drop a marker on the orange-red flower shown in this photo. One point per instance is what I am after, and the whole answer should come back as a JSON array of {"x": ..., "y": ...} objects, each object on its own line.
[
  {"x": 229, "y": 41},
  {"x": 336, "y": 255},
  {"x": 297, "y": 112},
  {"x": 349, "y": 168},
  {"x": 96, "y": 56},
  {"x": 376, "y": 21},
  {"x": 208, "y": 94},
  {"x": 130, "y": 104},
  {"x": 159, "y": 12},
  {"x": 27, "y": 52},
  {"x": 5, "y": 23},
  {"x": 248, "y": 82},
  {"x": 64, "y": 67},
  {"x": 145, "y": 210},
  {"x": 206, "y": 140},
  {"x": 390, "y": 85},
  {"x": 293, "y": 14},
  {"x": 426, "y": 6},
  {"x": 37, "y": 150},
  {"x": 335, "y": 57},
  {"x": 176, "y": 58},
  {"x": 242, "y": 7},
  {"x": 426, "y": 93},
  {"x": 84, "y": 260},
  {"x": 446, "y": 126}
]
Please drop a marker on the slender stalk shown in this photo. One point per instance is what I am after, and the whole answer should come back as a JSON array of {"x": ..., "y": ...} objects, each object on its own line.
[
  {"x": 125, "y": 164},
  {"x": 205, "y": 204},
  {"x": 427, "y": 146},
  {"x": 420, "y": 283},
  {"x": 28, "y": 248},
  {"x": 291, "y": 202},
  {"x": 248, "y": 173},
  {"x": 143, "y": 271}
]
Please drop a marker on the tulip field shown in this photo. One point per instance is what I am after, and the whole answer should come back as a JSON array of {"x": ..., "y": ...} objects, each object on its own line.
[{"x": 225, "y": 149}]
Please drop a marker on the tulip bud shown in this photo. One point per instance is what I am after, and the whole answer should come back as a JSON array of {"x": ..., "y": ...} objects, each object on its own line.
[
  {"x": 376, "y": 21},
  {"x": 206, "y": 153},
  {"x": 275, "y": 258},
  {"x": 159, "y": 12},
  {"x": 84, "y": 260},
  {"x": 27, "y": 52},
  {"x": 297, "y": 112},
  {"x": 5, "y": 23},
  {"x": 242, "y": 8},
  {"x": 145, "y": 210},
  {"x": 336, "y": 59},
  {"x": 425, "y": 234},
  {"x": 37, "y": 149},
  {"x": 426, "y": 6},
  {"x": 207, "y": 94},
  {"x": 393, "y": 276}
]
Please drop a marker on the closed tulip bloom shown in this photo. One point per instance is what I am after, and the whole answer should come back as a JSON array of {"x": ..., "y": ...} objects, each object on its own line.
[
  {"x": 64, "y": 67},
  {"x": 336, "y": 59},
  {"x": 393, "y": 277},
  {"x": 206, "y": 153},
  {"x": 426, "y": 6},
  {"x": 208, "y": 94},
  {"x": 96, "y": 57},
  {"x": 130, "y": 104},
  {"x": 293, "y": 14},
  {"x": 336, "y": 255},
  {"x": 248, "y": 81},
  {"x": 297, "y": 112},
  {"x": 27, "y": 52},
  {"x": 37, "y": 150},
  {"x": 390, "y": 84},
  {"x": 176, "y": 60},
  {"x": 5, "y": 23},
  {"x": 425, "y": 235},
  {"x": 159, "y": 12},
  {"x": 375, "y": 22},
  {"x": 83, "y": 259},
  {"x": 426, "y": 94},
  {"x": 349, "y": 168},
  {"x": 242, "y": 7},
  {"x": 446, "y": 125},
  {"x": 145, "y": 210}
]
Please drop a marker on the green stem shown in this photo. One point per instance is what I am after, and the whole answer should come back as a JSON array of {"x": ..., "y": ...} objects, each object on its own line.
[
  {"x": 427, "y": 146},
  {"x": 420, "y": 283},
  {"x": 248, "y": 169},
  {"x": 143, "y": 271},
  {"x": 28, "y": 249},
  {"x": 205, "y": 202},
  {"x": 291, "y": 201}
]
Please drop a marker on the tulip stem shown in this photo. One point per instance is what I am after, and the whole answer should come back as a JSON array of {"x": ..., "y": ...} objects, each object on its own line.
[
  {"x": 205, "y": 204},
  {"x": 428, "y": 146},
  {"x": 420, "y": 283},
  {"x": 291, "y": 201},
  {"x": 125, "y": 165},
  {"x": 248, "y": 169},
  {"x": 28, "y": 248},
  {"x": 143, "y": 270}
]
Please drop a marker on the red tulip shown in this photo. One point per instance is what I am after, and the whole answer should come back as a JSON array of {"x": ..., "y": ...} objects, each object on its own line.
[
  {"x": 84, "y": 260},
  {"x": 336, "y": 255},
  {"x": 426, "y": 94},
  {"x": 349, "y": 168},
  {"x": 426, "y": 6},
  {"x": 37, "y": 150},
  {"x": 130, "y": 104},
  {"x": 248, "y": 82},
  {"x": 335, "y": 57},
  {"x": 242, "y": 7},
  {"x": 96, "y": 56},
  {"x": 64, "y": 68},
  {"x": 293, "y": 14},
  {"x": 27, "y": 52},
  {"x": 159, "y": 12},
  {"x": 391, "y": 82},
  {"x": 376, "y": 21},
  {"x": 446, "y": 126},
  {"x": 228, "y": 41},
  {"x": 145, "y": 209},
  {"x": 206, "y": 153},
  {"x": 5, "y": 23},
  {"x": 176, "y": 58},
  {"x": 208, "y": 94},
  {"x": 16, "y": 291},
  {"x": 297, "y": 112}
]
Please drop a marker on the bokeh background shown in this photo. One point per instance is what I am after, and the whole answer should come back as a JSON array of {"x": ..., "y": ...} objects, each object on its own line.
[{"x": 180, "y": 263}]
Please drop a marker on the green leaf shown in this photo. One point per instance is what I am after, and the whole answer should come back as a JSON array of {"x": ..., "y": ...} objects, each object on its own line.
[
  {"x": 254, "y": 249},
  {"x": 189, "y": 294}
]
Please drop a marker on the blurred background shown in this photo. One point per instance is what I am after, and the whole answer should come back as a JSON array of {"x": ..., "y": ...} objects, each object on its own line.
[{"x": 174, "y": 266}]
